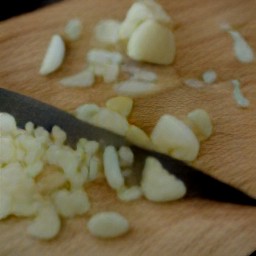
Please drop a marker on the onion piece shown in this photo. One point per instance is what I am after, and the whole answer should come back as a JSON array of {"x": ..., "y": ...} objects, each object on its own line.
[{"x": 54, "y": 56}]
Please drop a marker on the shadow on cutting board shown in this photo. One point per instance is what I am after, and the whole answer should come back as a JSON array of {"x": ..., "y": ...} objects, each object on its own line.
[{"x": 10, "y": 8}]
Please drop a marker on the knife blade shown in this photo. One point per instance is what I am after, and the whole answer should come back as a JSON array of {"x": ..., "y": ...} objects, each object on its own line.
[{"x": 198, "y": 183}]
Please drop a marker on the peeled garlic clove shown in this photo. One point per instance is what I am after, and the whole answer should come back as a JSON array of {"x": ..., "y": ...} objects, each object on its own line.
[
  {"x": 112, "y": 169},
  {"x": 107, "y": 31},
  {"x": 139, "y": 12},
  {"x": 173, "y": 137},
  {"x": 200, "y": 123},
  {"x": 82, "y": 79},
  {"x": 46, "y": 225},
  {"x": 126, "y": 156},
  {"x": 120, "y": 104},
  {"x": 160, "y": 46},
  {"x": 108, "y": 225},
  {"x": 158, "y": 185},
  {"x": 54, "y": 56}
]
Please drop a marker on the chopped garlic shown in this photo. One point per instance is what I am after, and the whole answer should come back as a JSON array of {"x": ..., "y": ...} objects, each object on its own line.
[
  {"x": 108, "y": 225},
  {"x": 7, "y": 150},
  {"x": 71, "y": 203},
  {"x": 111, "y": 121},
  {"x": 86, "y": 112},
  {"x": 135, "y": 88},
  {"x": 140, "y": 74},
  {"x": 243, "y": 51},
  {"x": 112, "y": 168},
  {"x": 126, "y": 156},
  {"x": 54, "y": 56},
  {"x": 73, "y": 29},
  {"x": 58, "y": 135},
  {"x": 160, "y": 46},
  {"x": 98, "y": 56},
  {"x": 200, "y": 123},
  {"x": 139, "y": 12},
  {"x": 172, "y": 136},
  {"x": 7, "y": 124},
  {"x": 109, "y": 72},
  {"x": 194, "y": 83},
  {"x": 82, "y": 79},
  {"x": 120, "y": 104},
  {"x": 129, "y": 194},
  {"x": 107, "y": 31},
  {"x": 46, "y": 225},
  {"x": 209, "y": 76},
  {"x": 138, "y": 137},
  {"x": 238, "y": 96},
  {"x": 158, "y": 185}
]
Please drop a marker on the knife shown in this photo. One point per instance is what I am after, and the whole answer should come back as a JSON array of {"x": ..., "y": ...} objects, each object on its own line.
[{"x": 198, "y": 183}]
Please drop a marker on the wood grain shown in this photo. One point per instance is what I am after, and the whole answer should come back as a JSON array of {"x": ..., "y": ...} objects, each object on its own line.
[{"x": 193, "y": 227}]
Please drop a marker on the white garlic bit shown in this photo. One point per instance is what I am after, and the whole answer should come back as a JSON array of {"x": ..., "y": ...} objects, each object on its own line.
[
  {"x": 160, "y": 47},
  {"x": 54, "y": 55},
  {"x": 7, "y": 124},
  {"x": 129, "y": 194},
  {"x": 112, "y": 168},
  {"x": 71, "y": 203},
  {"x": 201, "y": 123},
  {"x": 111, "y": 121},
  {"x": 194, "y": 83},
  {"x": 120, "y": 104},
  {"x": 243, "y": 51},
  {"x": 7, "y": 150},
  {"x": 100, "y": 56},
  {"x": 107, "y": 31},
  {"x": 209, "y": 76},
  {"x": 73, "y": 29},
  {"x": 135, "y": 88},
  {"x": 238, "y": 96},
  {"x": 108, "y": 225},
  {"x": 82, "y": 79},
  {"x": 126, "y": 156},
  {"x": 158, "y": 185},
  {"x": 139, "y": 73},
  {"x": 172, "y": 136},
  {"x": 46, "y": 225},
  {"x": 86, "y": 112}
]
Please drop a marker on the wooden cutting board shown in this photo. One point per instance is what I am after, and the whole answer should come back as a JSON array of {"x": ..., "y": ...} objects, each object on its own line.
[{"x": 187, "y": 227}]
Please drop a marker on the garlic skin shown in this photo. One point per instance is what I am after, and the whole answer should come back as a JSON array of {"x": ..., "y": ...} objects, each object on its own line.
[
  {"x": 54, "y": 56},
  {"x": 160, "y": 47}
]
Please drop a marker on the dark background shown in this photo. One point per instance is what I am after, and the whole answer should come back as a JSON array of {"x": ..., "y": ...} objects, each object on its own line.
[{"x": 10, "y": 8}]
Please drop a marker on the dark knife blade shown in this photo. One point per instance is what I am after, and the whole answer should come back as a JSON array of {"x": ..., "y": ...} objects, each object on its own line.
[{"x": 198, "y": 184}]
